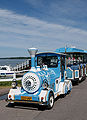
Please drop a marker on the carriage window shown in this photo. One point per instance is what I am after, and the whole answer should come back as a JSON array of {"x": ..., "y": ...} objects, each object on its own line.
[
  {"x": 84, "y": 58},
  {"x": 62, "y": 66},
  {"x": 50, "y": 61},
  {"x": 70, "y": 59}
]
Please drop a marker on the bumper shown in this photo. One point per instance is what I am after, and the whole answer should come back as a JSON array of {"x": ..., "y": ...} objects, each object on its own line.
[
  {"x": 25, "y": 101},
  {"x": 24, "y": 97}
]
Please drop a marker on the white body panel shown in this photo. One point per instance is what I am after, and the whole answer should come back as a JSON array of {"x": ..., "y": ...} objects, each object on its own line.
[
  {"x": 14, "y": 92},
  {"x": 75, "y": 73},
  {"x": 44, "y": 95}
]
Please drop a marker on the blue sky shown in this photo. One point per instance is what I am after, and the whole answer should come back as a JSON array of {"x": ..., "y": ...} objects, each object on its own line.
[{"x": 45, "y": 24}]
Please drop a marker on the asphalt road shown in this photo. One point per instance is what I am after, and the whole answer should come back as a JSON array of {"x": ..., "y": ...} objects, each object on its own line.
[{"x": 71, "y": 107}]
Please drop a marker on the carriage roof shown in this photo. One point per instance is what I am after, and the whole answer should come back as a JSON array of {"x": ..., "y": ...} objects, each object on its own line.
[
  {"x": 51, "y": 53},
  {"x": 70, "y": 50}
]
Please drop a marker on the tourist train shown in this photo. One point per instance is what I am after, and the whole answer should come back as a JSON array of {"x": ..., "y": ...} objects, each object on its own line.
[
  {"x": 49, "y": 77},
  {"x": 44, "y": 81},
  {"x": 76, "y": 63}
]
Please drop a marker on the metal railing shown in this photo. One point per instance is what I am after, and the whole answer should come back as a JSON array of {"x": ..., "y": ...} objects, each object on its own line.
[{"x": 23, "y": 66}]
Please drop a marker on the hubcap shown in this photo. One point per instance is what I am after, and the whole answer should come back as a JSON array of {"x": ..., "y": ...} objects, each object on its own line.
[{"x": 51, "y": 101}]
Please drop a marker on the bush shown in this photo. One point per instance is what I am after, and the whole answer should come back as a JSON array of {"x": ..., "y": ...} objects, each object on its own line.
[{"x": 8, "y": 83}]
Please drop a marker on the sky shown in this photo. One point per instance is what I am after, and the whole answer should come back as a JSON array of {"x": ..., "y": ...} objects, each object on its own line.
[{"x": 44, "y": 24}]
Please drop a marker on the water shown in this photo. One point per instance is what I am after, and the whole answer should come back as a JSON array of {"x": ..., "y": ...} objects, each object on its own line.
[{"x": 11, "y": 62}]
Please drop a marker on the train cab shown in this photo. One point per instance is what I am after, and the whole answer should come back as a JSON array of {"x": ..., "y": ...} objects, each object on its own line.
[{"x": 44, "y": 81}]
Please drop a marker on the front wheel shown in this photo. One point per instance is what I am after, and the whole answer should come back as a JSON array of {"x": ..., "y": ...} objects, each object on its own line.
[
  {"x": 11, "y": 105},
  {"x": 51, "y": 101}
]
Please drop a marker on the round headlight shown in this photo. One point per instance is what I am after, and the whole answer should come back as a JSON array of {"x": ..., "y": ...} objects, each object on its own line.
[
  {"x": 13, "y": 84},
  {"x": 30, "y": 82}
]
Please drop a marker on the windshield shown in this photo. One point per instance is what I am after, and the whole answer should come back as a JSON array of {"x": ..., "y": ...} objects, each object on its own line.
[{"x": 50, "y": 61}]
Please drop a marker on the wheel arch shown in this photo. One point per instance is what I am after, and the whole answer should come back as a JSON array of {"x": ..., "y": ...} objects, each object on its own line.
[{"x": 49, "y": 92}]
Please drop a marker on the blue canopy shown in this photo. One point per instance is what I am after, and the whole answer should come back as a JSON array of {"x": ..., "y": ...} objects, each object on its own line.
[{"x": 63, "y": 50}]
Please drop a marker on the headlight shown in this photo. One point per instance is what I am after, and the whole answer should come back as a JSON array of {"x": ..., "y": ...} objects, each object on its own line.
[
  {"x": 45, "y": 85},
  {"x": 31, "y": 82},
  {"x": 14, "y": 84}
]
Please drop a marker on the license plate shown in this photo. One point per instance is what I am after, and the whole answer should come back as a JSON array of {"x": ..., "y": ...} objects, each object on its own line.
[{"x": 26, "y": 98}]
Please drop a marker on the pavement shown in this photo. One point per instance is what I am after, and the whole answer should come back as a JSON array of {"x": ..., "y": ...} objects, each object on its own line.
[
  {"x": 4, "y": 90},
  {"x": 72, "y": 107}
]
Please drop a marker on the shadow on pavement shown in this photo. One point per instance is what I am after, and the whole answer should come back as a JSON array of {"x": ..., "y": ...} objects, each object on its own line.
[{"x": 27, "y": 106}]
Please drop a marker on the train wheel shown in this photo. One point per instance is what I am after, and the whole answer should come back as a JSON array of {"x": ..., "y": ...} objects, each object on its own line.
[
  {"x": 77, "y": 82},
  {"x": 66, "y": 90},
  {"x": 51, "y": 101},
  {"x": 11, "y": 105}
]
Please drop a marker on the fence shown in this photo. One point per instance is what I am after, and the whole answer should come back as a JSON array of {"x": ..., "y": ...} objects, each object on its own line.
[
  {"x": 17, "y": 72},
  {"x": 23, "y": 66}
]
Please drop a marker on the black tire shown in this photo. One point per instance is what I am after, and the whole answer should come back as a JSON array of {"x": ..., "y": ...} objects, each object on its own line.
[
  {"x": 41, "y": 107},
  {"x": 77, "y": 82},
  {"x": 51, "y": 101},
  {"x": 11, "y": 105}
]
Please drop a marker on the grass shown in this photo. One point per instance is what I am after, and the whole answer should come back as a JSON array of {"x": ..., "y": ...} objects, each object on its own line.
[
  {"x": 3, "y": 87},
  {"x": 8, "y": 83}
]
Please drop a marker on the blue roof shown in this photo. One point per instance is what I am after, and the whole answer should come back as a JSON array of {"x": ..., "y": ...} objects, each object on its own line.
[
  {"x": 63, "y": 50},
  {"x": 85, "y": 51}
]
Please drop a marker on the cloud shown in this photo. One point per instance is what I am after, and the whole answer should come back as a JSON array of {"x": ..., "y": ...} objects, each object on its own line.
[
  {"x": 64, "y": 12},
  {"x": 22, "y": 31}
]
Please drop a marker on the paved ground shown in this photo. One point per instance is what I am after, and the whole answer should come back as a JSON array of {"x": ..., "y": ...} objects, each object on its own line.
[
  {"x": 4, "y": 90},
  {"x": 72, "y": 107}
]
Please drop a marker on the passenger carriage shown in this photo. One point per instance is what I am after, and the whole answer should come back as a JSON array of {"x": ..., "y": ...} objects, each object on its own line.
[
  {"x": 75, "y": 62},
  {"x": 44, "y": 81}
]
